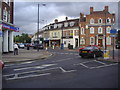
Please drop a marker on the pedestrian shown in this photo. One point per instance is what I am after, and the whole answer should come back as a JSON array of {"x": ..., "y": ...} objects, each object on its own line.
[{"x": 15, "y": 46}]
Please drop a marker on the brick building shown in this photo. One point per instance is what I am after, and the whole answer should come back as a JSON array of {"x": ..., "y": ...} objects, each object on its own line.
[
  {"x": 6, "y": 25},
  {"x": 95, "y": 27}
]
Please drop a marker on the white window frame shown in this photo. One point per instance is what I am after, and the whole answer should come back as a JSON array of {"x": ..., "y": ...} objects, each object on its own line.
[
  {"x": 109, "y": 20},
  {"x": 92, "y": 21},
  {"x": 99, "y": 20},
  {"x": 82, "y": 41},
  {"x": 108, "y": 29},
  {"x": 66, "y": 24},
  {"x": 92, "y": 30},
  {"x": 92, "y": 43},
  {"x": 55, "y": 25},
  {"x": 108, "y": 40},
  {"x": 82, "y": 30},
  {"x": 100, "y": 31},
  {"x": 72, "y": 24}
]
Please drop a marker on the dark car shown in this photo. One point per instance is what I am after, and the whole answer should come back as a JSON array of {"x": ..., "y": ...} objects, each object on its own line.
[
  {"x": 118, "y": 46},
  {"x": 91, "y": 51},
  {"x": 40, "y": 46}
]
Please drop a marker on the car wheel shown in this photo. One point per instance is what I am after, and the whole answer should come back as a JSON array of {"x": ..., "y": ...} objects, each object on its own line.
[{"x": 82, "y": 56}]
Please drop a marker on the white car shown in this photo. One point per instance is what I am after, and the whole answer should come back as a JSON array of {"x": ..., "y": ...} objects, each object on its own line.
[{"x": 21, "y": 45}]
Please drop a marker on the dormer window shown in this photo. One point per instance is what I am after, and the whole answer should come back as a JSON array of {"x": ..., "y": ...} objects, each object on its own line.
[
  {"x": 55, "y": 25},
  {"x": 91, "y": 21}
]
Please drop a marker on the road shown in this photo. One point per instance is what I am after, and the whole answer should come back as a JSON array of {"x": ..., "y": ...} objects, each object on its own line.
[{"x": 65, "y": 69}]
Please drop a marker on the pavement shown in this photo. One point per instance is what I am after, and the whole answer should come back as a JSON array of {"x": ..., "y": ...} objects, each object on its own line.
[
  {"x": 25, "y": 55},
  {"x": 32, "y": 54}
]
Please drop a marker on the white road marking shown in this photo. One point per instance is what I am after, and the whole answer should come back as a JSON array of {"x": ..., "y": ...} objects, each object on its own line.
[
  {"x": 84, "y": 65},
  {"x": 42, "y": 66},
  {"x": 63, "y": 70},
  {"x": 31, "y": 71},
  {"x": 104, "y": 66},
  {"x": 19, "y": 63},
  {"x": 99, "y": 62},
  {"x": 28, "y": 76}
]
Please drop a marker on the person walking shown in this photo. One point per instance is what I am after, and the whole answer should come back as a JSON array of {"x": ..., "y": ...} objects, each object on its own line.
[{"x": 15, "y": 46}]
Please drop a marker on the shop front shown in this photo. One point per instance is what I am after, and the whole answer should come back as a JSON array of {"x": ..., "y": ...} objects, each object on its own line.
[{"x": 7, "y": 37}]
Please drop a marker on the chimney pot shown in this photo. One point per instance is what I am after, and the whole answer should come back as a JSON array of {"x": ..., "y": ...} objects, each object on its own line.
[{"x": 91, "y": 9}]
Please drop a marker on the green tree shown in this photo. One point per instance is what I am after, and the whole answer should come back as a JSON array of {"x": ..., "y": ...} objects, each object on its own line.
[{"x": 23, "y": 38}]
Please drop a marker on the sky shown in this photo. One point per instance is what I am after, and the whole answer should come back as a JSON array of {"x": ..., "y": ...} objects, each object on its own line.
[{"x": 26, "y": 12}]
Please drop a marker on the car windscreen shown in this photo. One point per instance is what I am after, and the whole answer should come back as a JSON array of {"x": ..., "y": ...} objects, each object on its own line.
[{"x": 88, "y": 48}]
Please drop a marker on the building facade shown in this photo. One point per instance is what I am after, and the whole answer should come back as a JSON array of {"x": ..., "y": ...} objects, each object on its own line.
[
  {"x": 6, "y": 25},
  {"x": 95, "y": 28}
]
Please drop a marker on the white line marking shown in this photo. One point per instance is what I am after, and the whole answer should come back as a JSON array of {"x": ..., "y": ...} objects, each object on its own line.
[
  {"x": 63, "y": 70},
  {"x": 103, "y": 66},
  {"x": 28, "y": 76},
  {"x": 42, "y": 66},
  {"x": 99, "y": 62},
  {"x": 84, "y": 65},
  {"x": 64, "y": 59},
  {"x": 32, "y": 71}
]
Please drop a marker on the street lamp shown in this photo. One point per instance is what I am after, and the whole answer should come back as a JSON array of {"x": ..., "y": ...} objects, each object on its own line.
[{"x": 38, "y": 27}]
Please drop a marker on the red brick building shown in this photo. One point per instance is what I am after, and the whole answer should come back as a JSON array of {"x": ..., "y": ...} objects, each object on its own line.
[{"x": 95, "y": 27}]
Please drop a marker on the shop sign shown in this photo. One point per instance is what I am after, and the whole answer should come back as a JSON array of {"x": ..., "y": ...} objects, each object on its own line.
[{"x": 16, "y": 29}]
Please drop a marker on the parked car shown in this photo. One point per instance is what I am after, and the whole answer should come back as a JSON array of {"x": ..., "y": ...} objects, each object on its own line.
[
  {"x": 21, "y": 45},
  {"x": 91, "y": 51},
  {"x": 1, "y": 64},
  {"x": 40, "y": 46},
  {"x": 118, "y": 46}
]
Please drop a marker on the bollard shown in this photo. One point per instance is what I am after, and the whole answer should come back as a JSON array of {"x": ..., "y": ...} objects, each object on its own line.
[{"x": 106, "y": 54}]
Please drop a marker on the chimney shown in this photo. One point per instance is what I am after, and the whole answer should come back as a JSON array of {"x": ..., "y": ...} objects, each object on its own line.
[
  {"x": 106, "y": 8},
  {"x": 91, "y": 10},
  {"x": 81, "y": 15},
  {"x": 66, "y": 18},
  {"x": 56, "y": 20}
]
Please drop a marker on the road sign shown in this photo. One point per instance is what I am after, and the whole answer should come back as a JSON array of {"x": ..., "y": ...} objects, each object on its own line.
[{"x": 113, "y": 31}]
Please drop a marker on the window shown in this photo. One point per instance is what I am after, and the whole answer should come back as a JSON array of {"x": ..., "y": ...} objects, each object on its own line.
[
  {"x": 5, "y": 14},
  {"x": 108, "y": 29},
  {"x": 71, "y": 32},
  {"x": 99, "y": 20},
  {"x": 59, "y": 25},
  {"x": 100, "y": 30},
  {"x": 92, "y": 30},
  {"x": 91, "y": 40},
  {"x": 76, "y": 33},
  {"x": 91, "y": 21},
  {"x": 55, "y": 25},
  {"x": 66, "y": 24},
  {"x": 72, "y": 24},
  {"x": 82, "y": 30},
  {"x": 108, "y": 20},
  {"x": 108, "y": 40},
  {"x": 82, "y": 41}
]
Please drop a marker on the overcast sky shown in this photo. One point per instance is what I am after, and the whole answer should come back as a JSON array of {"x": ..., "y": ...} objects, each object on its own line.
[{"x": 25, "y": 13}]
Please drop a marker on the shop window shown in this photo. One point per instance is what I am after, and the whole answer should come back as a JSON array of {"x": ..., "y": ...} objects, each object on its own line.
[{"x": 108, "y": 40}]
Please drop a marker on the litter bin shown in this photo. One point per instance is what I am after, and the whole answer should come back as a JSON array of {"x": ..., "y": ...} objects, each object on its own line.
[{"x": 106, "y": 54}]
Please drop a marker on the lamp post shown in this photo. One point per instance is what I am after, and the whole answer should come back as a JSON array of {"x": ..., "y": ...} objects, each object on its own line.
[
  {"x": 79, "y": 31},
  {"x": 38, "y": 27},
  {"x": 105, "y": 33}
]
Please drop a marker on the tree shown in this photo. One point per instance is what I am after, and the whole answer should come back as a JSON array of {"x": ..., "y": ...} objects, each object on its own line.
[{"x": 23, "y": 38}]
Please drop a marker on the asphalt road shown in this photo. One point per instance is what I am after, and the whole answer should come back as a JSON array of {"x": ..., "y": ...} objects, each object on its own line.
[{"x": 65, "y": 69}]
